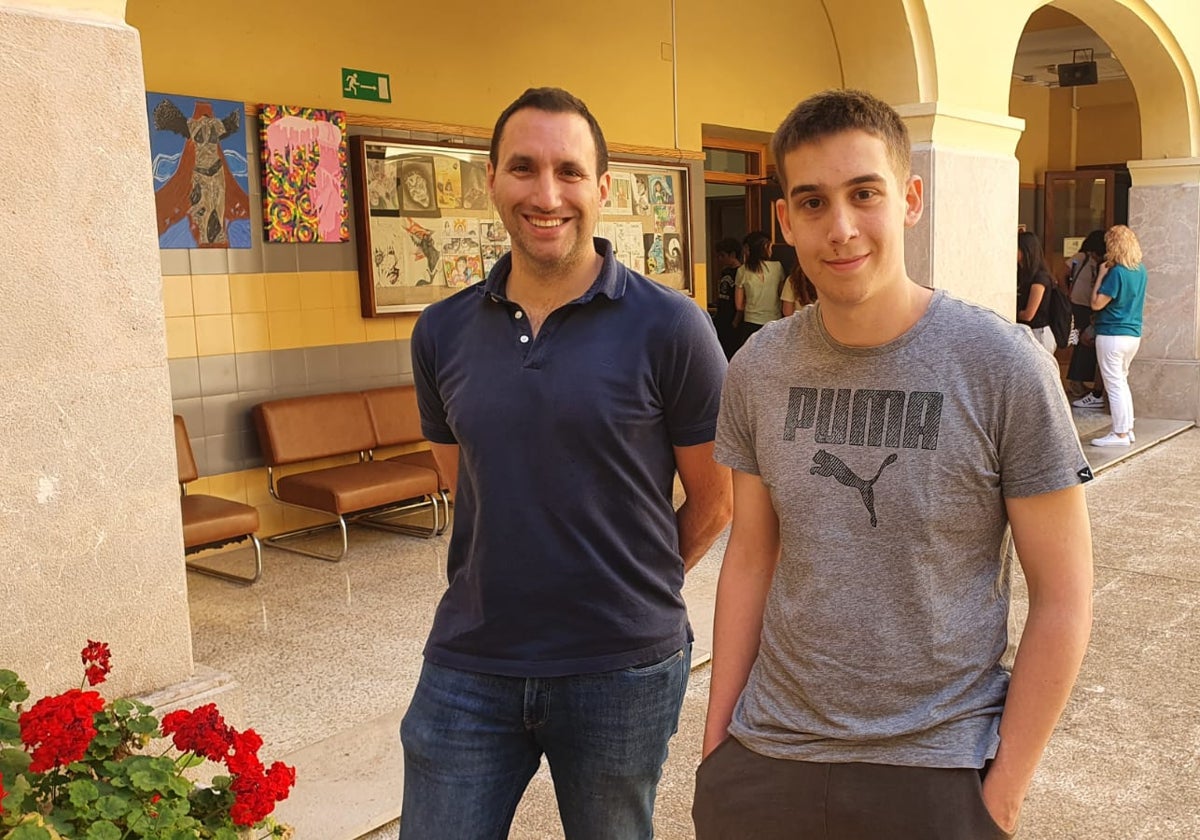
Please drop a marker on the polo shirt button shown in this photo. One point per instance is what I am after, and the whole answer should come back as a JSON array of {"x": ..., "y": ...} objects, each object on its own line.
[
  {"x": 524, "y": 339},
  {"x": 519, "y": 315}
]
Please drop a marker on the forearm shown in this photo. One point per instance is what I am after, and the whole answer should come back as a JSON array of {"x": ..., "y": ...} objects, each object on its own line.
[
  {"x": 741, "y": 598},
  {"x": 699, "y": 524},
  {"x": 1046, "y": 666}
]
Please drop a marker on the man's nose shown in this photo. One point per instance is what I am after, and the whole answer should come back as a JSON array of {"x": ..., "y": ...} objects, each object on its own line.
[
  {"x": 842, "y": 224},
  {"x": 546, "y": 190}
]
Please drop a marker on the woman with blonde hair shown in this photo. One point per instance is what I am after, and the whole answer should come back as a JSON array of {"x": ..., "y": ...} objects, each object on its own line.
[{"x": 1118, "y": 301}]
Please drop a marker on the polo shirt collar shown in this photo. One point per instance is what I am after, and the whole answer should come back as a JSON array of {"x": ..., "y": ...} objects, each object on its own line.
[{"x": 610, "y": 282}]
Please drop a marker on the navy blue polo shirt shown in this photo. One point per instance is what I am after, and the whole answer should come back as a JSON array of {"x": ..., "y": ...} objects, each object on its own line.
[{"x": 564, "y": 556}]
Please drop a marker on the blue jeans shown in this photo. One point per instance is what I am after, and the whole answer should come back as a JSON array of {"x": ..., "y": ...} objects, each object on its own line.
[{"x": 473, "y": 741}]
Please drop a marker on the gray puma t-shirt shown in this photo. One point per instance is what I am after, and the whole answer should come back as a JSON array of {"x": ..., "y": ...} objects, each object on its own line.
[{"x": 888, "y": 468}]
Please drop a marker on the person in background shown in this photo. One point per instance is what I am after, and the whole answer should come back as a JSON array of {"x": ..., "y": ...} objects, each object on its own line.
[
  {"x": 1118, "y": 301},
  {"x": 1083, "y": 271},
  {"x": 798, "y": 292},
  {"x": 726, "y": 317},
  {"x": 1033, "y": 287},
  {"x": 757, "y": 287},
  {"x": 561, "y": 397}
]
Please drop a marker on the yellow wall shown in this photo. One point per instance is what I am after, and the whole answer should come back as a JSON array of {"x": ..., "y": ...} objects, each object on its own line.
[
  {"x": 1032, "y": 104},
  {"x": 748, "y": 71}
]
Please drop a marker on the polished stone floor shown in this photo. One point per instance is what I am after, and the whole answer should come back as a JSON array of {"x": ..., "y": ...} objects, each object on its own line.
[{"x": 327, "y": 655}]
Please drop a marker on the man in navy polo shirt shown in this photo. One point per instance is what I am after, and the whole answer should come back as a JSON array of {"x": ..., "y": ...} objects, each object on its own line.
[{"x": 561, "y": 395}]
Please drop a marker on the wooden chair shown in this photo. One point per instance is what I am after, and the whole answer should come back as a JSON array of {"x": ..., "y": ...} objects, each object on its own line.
[{"x": 210, "y": 521}]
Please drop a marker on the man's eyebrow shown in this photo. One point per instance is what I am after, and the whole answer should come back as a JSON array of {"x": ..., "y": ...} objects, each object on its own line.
[
  {"x": 869, "y": 178},
  {"x": 517, "y": 159}
]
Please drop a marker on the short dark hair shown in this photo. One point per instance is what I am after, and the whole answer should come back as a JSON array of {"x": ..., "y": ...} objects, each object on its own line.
[
  {"x": 554, "y": 101},
  {"x": 758, "y": 249},
  {"x": 834, "y": 111},
  {"x": 1093, "y": 243},
  {"x": 729, "y": 245}
]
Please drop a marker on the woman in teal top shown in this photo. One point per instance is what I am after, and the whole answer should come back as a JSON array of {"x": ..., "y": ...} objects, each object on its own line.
[{"x": 1117, "y": 301}]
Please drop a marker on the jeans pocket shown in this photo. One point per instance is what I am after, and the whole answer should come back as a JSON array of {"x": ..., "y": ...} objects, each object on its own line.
[{"x": 648, "y": 668}]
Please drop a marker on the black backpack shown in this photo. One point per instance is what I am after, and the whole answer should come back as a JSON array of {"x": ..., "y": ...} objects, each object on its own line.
[{"x": 1060, "y": 315}]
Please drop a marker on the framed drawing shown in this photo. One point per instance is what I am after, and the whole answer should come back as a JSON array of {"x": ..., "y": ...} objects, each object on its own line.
[{"x": 427, "y": 227}]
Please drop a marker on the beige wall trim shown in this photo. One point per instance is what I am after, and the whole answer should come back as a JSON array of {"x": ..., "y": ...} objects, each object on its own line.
[
  {"x": 1155, "y": 173},
  {"x": 961, "y": 128},
  {"x": 447, "y": 130}
]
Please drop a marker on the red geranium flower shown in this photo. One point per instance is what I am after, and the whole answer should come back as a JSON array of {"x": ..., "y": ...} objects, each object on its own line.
[
  {"x": 244, "y": 756},
  {"x": 202, "y": 731},
  {"x": 3, "y": 793},
  {"x": 58, "y": 729},
  {"x": 96, "y": 657}
]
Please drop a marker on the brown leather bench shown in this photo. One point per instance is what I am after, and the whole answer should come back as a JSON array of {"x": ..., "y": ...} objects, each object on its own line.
[
  {"x": 311, "y": 428},
  {"x": 397, "y": 422},
  {"x": 210, "y": 521}
]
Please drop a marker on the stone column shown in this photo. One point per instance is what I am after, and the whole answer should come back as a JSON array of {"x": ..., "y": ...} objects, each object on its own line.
[
  {"x": 966, "y": 239},
  {"x": 1164, "y": 212},
  {"x": 90, "y": 540}
]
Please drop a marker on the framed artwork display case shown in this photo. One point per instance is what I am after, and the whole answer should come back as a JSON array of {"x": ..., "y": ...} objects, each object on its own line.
[{"x": 427, "y": 227}]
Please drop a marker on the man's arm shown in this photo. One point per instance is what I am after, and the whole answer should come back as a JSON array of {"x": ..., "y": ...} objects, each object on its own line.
[
  {"x": 446, "y": 456},
  {"x": 707, "y": 504},
  {"x": 746, "y": 573},
  {"x": 1054, "y": 544}
]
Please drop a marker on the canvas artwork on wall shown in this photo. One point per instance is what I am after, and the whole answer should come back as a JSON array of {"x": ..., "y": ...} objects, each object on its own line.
[
  {"x": 304, "y": 167},
  {"x": 200, "y": 170}
]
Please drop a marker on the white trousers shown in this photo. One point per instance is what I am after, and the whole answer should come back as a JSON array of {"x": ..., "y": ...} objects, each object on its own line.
[{"x": 1114, "y": 354}]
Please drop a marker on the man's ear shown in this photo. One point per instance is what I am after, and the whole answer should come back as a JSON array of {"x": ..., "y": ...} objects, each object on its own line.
[
  {"x": 491, "y": 178},
  {"x": 785, "y": 221},
  {"x": 914, "y": 200},
  {"x": 605, "y": 186}
]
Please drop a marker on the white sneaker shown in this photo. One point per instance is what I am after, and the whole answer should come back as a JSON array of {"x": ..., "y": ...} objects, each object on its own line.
[
  {"x": 1112, "y": 439},
  {"x": 1089, "y": 401}
]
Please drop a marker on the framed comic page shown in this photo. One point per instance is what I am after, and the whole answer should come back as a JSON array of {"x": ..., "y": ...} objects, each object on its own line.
[{"x": 427, "y": 227}]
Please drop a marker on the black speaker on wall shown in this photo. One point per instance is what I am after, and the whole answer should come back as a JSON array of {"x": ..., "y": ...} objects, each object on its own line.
[{"x": 1076, "y": 74}]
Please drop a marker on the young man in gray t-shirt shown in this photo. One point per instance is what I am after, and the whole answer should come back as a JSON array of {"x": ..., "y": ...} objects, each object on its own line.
[{"x": 883, "y": 443}]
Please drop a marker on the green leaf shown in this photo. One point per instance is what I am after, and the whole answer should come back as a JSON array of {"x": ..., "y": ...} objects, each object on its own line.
[
  {"x": 27, "y": 831},
  {"x": 188, "y": 760},
  {"x": 112, "y": 807},
  {"x": 13, "y": 762},
  {"x": 150, "y": 779},
  {"x": 103, "y": 831},
  {"x": 122, "y": 707},
  {"x": 81, "y": 792},
  {"x": 143, "y": 725},
  {"x": 10, "y": 729}
]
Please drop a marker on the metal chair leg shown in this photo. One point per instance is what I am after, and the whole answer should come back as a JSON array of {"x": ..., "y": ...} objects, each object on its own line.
[
  {"x": 230, "y": 576},
  {"x": 374, "y": 520},
  {"x": 276, "y": 541}
]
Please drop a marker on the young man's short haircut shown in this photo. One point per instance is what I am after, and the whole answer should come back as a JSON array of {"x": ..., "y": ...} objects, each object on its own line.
[
  {"x": 834, "y": 111},
  {"x": 554, "y": 101}
]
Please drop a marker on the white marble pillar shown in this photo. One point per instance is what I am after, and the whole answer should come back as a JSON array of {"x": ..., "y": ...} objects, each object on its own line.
[
  {"x": 90, "y": 540},
  {"x": 966, "y": 239},
  {"x": 1164, "y": 212}
]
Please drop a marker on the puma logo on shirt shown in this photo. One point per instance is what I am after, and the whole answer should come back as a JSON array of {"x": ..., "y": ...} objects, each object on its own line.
[{"x": 829, "y": 464}]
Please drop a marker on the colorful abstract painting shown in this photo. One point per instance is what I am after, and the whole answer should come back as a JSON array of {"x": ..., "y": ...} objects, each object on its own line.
[
  {"x": 201, "y": 174},
  {"x": 304, "y": 165}
]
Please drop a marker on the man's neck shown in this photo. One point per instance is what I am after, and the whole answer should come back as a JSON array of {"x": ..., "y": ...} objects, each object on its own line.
[
  {"x": 877, "y": 321},
  {"x": 539, "y": 293}
]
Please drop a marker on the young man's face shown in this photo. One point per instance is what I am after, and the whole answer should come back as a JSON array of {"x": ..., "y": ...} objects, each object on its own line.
[
  {"x": 845, "y": 210},
  {"x": 546, "y": 188}
]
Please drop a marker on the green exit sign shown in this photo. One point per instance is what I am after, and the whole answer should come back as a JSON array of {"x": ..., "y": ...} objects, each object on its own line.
[{"x": 363, "y": 84}]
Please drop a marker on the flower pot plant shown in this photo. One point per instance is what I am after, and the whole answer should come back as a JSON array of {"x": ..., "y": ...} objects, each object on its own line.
[{"x": 73, "y": 766}]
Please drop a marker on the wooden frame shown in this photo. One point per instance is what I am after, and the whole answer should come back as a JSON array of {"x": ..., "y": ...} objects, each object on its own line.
[{"x": 427, "y": 227}]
